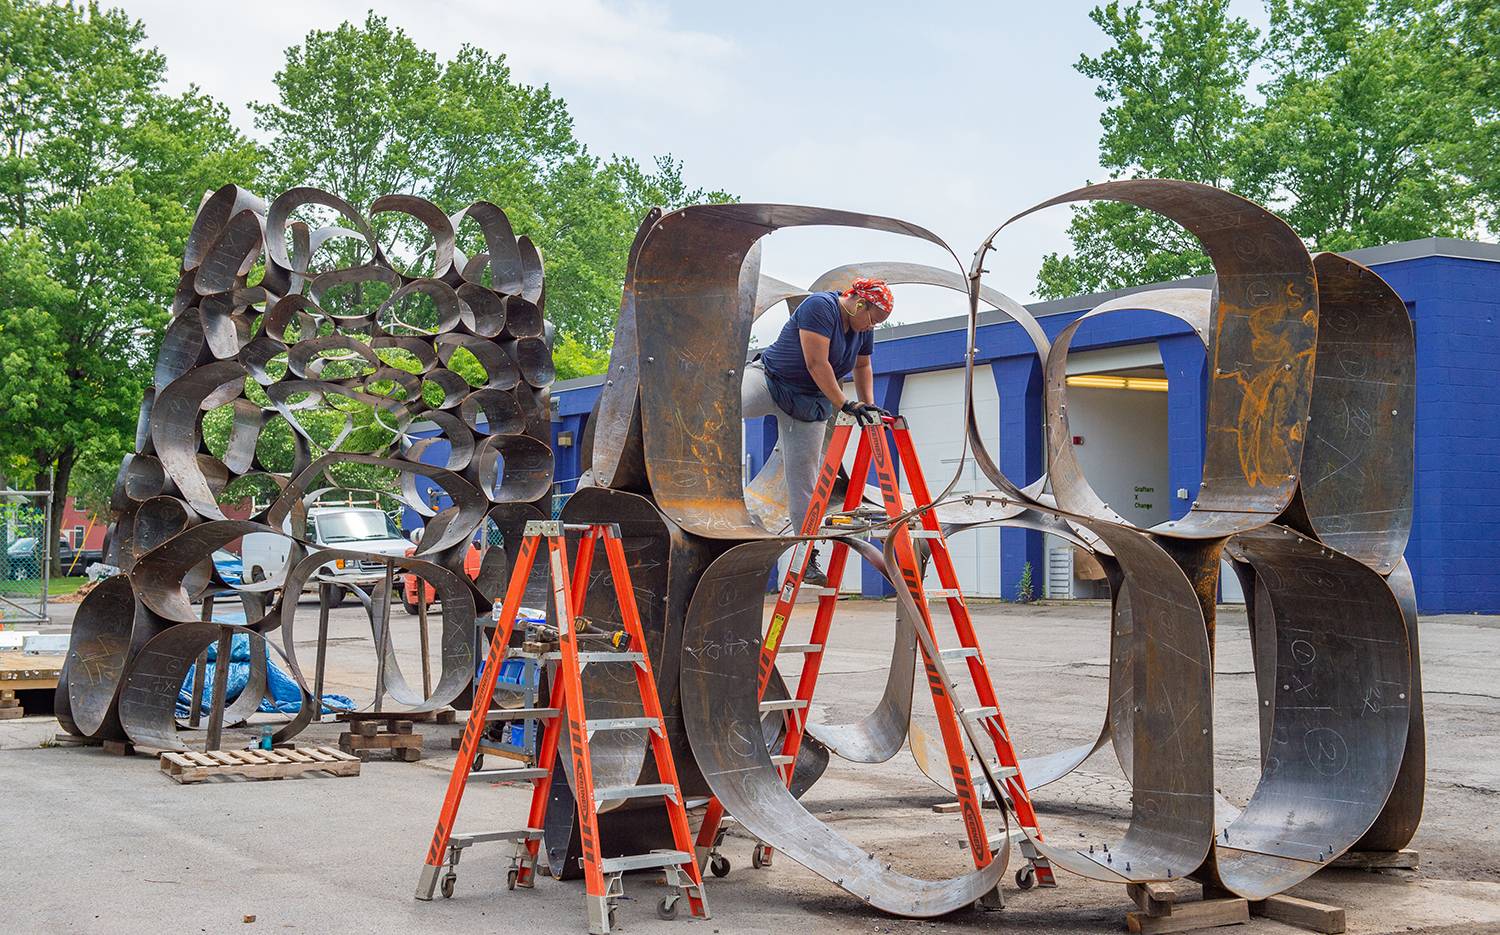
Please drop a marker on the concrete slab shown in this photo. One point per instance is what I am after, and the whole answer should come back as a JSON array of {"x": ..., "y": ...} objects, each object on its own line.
[{"x": 97, "y": 843}]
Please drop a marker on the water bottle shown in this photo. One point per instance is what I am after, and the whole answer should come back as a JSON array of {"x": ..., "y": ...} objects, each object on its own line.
[{"x": 265, "y": 737}]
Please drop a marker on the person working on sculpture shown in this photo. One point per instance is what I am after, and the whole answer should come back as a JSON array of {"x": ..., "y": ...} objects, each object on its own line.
[{"x": 798, "y": 380}]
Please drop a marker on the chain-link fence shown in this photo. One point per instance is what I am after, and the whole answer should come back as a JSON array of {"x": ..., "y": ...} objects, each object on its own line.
[{"x": 26, "y": 562}]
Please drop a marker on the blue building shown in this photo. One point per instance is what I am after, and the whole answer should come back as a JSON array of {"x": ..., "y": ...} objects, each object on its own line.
[{"x": 1137, "y": 404}]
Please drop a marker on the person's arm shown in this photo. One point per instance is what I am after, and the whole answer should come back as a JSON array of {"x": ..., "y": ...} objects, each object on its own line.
[
  {"x": 815, "y": 355},
  {"x": 864, "y": 379}
]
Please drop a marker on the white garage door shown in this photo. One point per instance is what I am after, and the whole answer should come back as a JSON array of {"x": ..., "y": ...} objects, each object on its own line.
[{"x": 933, "y": 406}]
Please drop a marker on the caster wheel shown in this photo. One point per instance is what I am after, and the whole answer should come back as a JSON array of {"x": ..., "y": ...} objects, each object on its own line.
[
  {"x": 667, "y": 908},
  {"x": 447, "y": 886},
  {"x": 718, "y": 865},
  {"x": 478, "y": 761},
  {"x": 755, "y": 860},
  {"x": 1026, "y": 877},
  {"x": 510, "y": 878},
  {"x": 614, "y": 923}
]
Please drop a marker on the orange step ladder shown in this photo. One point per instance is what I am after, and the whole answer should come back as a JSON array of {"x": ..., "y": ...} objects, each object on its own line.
[
  {"x": 878, "y": 438},
  {"x": 602, "y": 876}
]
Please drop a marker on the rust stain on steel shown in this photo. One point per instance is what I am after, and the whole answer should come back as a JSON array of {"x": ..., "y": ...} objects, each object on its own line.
[{"x": 139, "y": 632}]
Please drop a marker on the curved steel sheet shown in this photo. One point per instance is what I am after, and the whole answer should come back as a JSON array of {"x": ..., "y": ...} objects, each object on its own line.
[
  {"x": 1357, "y": 469},
  {"x": 721, "y": 648},
  {"x": 1340, "y": 712}
]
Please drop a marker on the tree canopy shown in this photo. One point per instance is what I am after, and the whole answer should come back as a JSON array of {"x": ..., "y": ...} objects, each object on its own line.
[
  {"x": 1375, "y": 122},
  {"x": 100, "y": 173},
  {"x": 362, "y": 110}
]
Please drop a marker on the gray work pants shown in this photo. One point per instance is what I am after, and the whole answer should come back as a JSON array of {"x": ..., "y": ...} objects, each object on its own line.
[{"x": 801, "y": 443}]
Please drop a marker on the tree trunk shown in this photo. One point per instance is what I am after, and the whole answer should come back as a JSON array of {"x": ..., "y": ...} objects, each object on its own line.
[{"x": 65, "y": 459}]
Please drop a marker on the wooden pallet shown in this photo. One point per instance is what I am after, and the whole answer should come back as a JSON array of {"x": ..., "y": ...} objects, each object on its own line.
[
  {"x": 190, "y": 766},
  {"x": 25, "y": 672}
]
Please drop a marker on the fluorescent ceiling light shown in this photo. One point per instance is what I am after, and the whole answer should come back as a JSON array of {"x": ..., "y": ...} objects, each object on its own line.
[{"x": 1099, "y": 381}]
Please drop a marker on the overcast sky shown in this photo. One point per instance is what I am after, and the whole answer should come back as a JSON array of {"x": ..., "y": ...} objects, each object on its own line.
[{"x": 952, "y": 115}]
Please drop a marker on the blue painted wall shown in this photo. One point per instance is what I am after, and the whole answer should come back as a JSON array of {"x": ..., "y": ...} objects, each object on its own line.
[{"x": 1455, "y": 303}]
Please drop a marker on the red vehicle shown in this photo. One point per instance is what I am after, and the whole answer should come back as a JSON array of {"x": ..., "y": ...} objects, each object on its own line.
[{"x": 409, "y": 582}]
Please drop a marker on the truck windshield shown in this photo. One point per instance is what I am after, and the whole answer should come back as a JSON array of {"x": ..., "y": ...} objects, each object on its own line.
[{"x": 356, "y": 526}]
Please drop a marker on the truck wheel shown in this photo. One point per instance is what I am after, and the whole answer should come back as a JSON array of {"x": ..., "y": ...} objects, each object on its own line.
[
  {"x": 337, "y": 596},
  {"x": 411, "y": 606}
]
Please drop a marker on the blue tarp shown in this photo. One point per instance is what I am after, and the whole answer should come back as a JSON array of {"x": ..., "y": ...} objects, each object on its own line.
[{"x": 284, "y": 695}]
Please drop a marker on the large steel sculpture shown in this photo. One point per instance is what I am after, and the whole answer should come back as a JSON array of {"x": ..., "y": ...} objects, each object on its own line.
[
  {"x": 334, "y": 323},
  {"x": 1306, "y": 489}
]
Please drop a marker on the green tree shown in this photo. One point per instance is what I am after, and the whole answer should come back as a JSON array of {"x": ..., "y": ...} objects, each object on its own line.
[
  {"x": 362, "y": 110},
  {"x": 1476, "y": 63},
  {"x": 100, "y": 173},
  {"x": 1354, "y": 137},
  {"x": 1174, "y": 81},
  {"x": 1377, "y": 123}
]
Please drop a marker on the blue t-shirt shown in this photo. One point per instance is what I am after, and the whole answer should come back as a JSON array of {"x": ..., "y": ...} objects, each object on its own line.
[{"x": 820, "y": 314}]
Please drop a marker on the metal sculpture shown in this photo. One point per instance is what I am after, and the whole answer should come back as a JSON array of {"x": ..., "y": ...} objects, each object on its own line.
[
  {"x": 1304, "y": 489},
  {"x": 310, "y": 335}
]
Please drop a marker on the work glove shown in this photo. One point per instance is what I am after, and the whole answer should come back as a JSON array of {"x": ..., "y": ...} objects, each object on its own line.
[{"x": 865, "y": 412}]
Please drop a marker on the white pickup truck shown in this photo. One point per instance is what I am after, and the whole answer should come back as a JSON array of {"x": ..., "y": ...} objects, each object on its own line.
[{"x": 362, "y": 529}]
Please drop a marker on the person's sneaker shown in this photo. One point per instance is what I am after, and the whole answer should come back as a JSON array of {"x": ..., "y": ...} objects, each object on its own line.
[{"x": 813, "y": 575}]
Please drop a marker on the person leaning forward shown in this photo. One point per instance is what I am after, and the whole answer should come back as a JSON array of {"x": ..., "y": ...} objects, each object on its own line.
[{"x": 798, "y": 380}]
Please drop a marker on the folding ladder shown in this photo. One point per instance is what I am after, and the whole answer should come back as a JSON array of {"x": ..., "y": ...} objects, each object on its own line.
[
  {"x": 878, "y": 438},
  {"x": 602, "y": 875}
]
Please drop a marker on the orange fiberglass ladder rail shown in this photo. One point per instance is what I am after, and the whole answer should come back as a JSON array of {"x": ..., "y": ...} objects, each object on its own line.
[{"x": 874, "y": 451}]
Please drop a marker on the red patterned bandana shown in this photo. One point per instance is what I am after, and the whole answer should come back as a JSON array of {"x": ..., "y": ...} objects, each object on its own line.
[{"x": 874, "y": 291}]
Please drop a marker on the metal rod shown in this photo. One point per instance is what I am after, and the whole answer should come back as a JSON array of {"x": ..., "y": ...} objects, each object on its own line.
[
  {"x": 422, "y": 636},
  {"x": 200, "y": 670},
  {"x": 51, "y": 549},
  {"x": 385, "y": 631},
  {"x": 221, "y": 681},
  {"x": 325, "y": 597}
]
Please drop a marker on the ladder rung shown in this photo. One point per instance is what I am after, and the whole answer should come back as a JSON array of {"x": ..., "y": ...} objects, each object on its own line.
[
  {"x": 790, "y": 648},
  {"x": 1004, "y": 772},
  {"x": 785, "y": 704},
  {"x": 781, "y": 759},
  {"x": 620, "y": 723},
  {"x": 644, "y": 861},
  {"x": 501, "y": 775},
  {"x": 820, "y": 592},
  {"x": 465, "y": 839},
  {"x": 913, "y": 533},
  {"x": 959, "y": 652},
  {"x": 933, "y": 594},
  {"x": 619, "y": 793},
  {"x": 588, "y": 657},
  {"x": 521, "y": 714},
  {"x": 979, "y": 714}
]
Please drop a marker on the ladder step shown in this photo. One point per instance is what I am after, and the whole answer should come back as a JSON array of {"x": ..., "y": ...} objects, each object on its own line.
[
  {"x": 785, "y": 704},
  {"x": 781, "y": 759},
  {"x": 819, "y": 592},
  {"x": 620, "y": 793},
  {"x": 587, "y": 657},
  {"x": 787, "y": 649},
  {"x": 979, "y": 714},
  {"x": 960, "y": 652},
  {"x": 521, "y": 714},
  {"x": 621, "y": 723},
  {"x": 465, "y": 839},
  {"x": 644, "y": 861},
  {"x": 501, "y": 775},
  {"x": 943, "y": 593}
]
